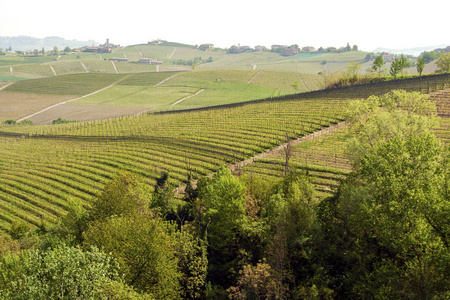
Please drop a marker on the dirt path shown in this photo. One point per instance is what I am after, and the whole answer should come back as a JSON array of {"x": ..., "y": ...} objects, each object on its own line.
[
  {"x": 139, "y": 51},
  {"x": 11, "y": 69},
  {"x": 241, "y": 164},
  {"x": 173, "y": 52},
  {"x": 114, "y": 65},
  {"x": 185, "y": 98},
  {"x": 4, "y": 87},
  {"x": 255, "y": 76},
  {"x": 64, "y": 102},
  {"x": 84, "y": 66},
  {"x": 167, "y": 79},
  {"x": 53, "y": 70}
]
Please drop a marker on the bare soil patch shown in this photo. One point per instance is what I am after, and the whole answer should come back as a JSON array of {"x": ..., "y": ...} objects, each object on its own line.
[
  {"x": 84, "y": 112},
  {"x": 17, "y": 105}
]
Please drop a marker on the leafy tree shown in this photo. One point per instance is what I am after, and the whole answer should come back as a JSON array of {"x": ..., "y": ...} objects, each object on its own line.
[
  {"x": 355, "y": 48},
  {"x": 395, "y": 67},
  {"x": 443, "y": 62},
  {"x": 378, "y": 64},
  {"x": 67, "y": 49},
  {"x": 224, "y": 225},
  {"x": 388, "y": 221},
  {"x": 420, "y": 65},
  {"x": 255, "y": 282},
  {"x": 429, "y": 56},
  {"x": 144, "y": 248},
  {"x": 59, "y": 273},
  {"x": 124, "y": 195}
]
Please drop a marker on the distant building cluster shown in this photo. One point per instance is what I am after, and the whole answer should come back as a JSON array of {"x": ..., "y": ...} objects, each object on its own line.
[
  {"x": 104, "y": 48},
  {"x": 157, "y": 42}
]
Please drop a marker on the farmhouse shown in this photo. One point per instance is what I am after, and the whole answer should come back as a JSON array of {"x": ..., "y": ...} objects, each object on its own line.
[
  {"x": 157, "y": 42},
  {"x": 205, "y": 47},
  {"x": 96, "y": 49},
  {"x": 149, "y": 61},
  {"x": 387, "y": 57},
  {"x": 290, "y": 51},
  {"x": 260, "y": 48},
  {"x": 308, "y": 49},
  {"x": 119, "y": 59}
]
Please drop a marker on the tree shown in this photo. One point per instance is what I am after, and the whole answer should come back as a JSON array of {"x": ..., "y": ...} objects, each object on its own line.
[
  {"x": 67, "y": 49},
  {"x": 144, "y": 248},
  {"x": 429, "y": 56},
  {"x": 443, "y": 62},
  {"x": 355, "y": 48},
  {"x": 378, "y": 64},
  {"x": 420, "y": 65},
  {"x": 395, "y": 67},
  {"x": 55, "y": 50},
  {"x": 348, "y": 48},
  {"x": 393, "y": 207},
  {"x": 224, "y": 225},
  {"x": 59, "y": 273},
  {"x": 124, "y": 195}
]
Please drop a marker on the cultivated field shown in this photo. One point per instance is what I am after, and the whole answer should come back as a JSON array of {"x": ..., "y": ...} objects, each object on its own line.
[
  {"x": 41, "y": 167},
  {"x": 113, "y": 95}
]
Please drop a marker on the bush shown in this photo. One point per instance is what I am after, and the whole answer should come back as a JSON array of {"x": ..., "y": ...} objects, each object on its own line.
[{"x": 61, "y": 121}]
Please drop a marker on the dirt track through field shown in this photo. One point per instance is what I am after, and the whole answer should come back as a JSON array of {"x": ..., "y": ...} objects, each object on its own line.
[
  {"x": 167, "y": 79},
  {"x": 241, "y": 164},
  {"x": 64, "y": 102},
  {"x": 185, "y": 98},
  {"x": 84, "y": 66},
  {"x": 4, "y": 87}
]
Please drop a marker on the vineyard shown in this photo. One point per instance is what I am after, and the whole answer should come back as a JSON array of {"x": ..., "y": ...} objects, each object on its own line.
[{"x": 42, "y": 167}]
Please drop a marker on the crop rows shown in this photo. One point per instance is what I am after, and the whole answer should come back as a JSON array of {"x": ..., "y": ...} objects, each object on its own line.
[
  {"x": 47, "y": 165},
  {"x": 42, "y": 167}
]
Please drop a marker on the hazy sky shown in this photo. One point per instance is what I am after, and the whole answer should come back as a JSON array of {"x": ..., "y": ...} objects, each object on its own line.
[{"x": 368, "y": 24}]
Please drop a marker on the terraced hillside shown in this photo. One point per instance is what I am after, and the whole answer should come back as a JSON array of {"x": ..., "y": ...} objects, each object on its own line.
[{"x": 42, "y": 167}]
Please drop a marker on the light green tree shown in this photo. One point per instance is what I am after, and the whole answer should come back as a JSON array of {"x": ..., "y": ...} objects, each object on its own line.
[
  {"x": 443, "y": 62},
  {"x": 59, "y": 273},
  {"x": 395, "y": 205}
]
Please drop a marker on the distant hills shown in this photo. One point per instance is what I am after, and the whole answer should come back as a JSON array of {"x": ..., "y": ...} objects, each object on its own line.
[
  {"x": 410, "y": 51},
  {"x": 24, "y": 43}
]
